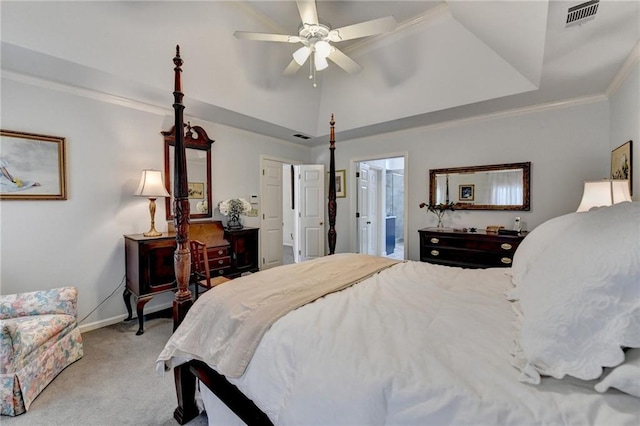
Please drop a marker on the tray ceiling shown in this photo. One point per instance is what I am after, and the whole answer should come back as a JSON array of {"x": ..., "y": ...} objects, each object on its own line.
[{"x": 446, "y": 61}]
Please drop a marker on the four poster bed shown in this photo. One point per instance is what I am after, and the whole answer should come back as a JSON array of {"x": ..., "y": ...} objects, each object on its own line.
[{"x": 357, "y": 339}]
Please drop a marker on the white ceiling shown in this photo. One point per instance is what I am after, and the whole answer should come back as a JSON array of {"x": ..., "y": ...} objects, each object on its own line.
[{"x": 447, "y": 60}]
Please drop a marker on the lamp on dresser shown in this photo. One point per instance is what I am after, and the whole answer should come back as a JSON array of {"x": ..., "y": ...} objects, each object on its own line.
[
  {"x": 606, "y": 192},
  {"x": 152, "y": 186}
]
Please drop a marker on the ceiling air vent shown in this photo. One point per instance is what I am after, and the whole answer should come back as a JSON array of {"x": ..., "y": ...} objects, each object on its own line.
[
  {"x": 582, "y": 13},
  {"x": 298, "y": 135}
]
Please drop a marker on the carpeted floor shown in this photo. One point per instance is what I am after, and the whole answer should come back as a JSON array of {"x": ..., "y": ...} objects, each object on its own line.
[{"x": 115, "y": 383}]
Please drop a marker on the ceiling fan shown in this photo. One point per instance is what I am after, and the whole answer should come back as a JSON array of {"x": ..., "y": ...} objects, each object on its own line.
[{"x": 317, "y": 39}]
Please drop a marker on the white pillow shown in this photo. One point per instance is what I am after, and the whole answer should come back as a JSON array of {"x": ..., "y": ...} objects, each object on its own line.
[
  {"x": 580, "y": 296},
  {"x": 536, "y": 242},
  {"x": 625, "y": 377}
]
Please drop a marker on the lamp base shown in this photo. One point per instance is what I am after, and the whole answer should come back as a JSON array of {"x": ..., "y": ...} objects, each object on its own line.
[{"x": 152, "y": 233}]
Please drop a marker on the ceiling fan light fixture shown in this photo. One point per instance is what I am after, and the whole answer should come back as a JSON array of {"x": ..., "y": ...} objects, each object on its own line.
[
  {"x": 301, "y": 55},
  {"x": 322, "y": 48},
  {"x": 320, "y": 62}
]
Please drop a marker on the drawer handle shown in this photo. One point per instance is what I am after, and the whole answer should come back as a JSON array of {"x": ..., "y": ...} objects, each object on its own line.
[
  {"x": 220, "y": 262},
  {"x": 220, "y": 251},
  {"x": 435, "y": 240},
  {"x": 506, "y": 260},
  {"x": 435, "y": 252},
  {"x": 506, "y": 246}
]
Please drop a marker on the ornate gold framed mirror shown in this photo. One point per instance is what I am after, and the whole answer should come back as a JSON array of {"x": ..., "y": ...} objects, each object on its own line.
[
  {"x": 198, "y": 151},
  {"x": 490, "y": 187}
]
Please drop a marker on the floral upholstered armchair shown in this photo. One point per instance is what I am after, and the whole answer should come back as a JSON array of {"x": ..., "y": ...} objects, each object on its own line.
[{"x": 39, "y": 337}]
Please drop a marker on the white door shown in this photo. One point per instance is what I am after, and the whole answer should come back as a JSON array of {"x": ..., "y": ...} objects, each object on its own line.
[
  {"x": 271, "y": 221},
  {"x": 309, "y": 243},
  {"x": 364, "y": 205},
  {"x": 374, "y": 211},
  {"x": 368, "y": 217}
]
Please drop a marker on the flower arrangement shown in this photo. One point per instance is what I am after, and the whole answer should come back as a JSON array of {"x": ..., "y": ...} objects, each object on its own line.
[
  {"x": 438, "y": 209},
  {"x": 233, "y": 208}
]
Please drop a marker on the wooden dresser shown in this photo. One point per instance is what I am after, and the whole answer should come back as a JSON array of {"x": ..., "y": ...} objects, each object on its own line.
[
  {"x": 244, "y": 250},
  {"x": 150, "y": 260},
  {"x": 467, "y": 249}
]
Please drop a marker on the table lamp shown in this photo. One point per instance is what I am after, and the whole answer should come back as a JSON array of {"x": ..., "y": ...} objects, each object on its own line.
[
  {"x": 599, "y": 193},
  {"x": 152, "y": 187}
]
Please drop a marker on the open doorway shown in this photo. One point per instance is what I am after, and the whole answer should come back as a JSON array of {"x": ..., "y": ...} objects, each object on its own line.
[
  {"x": 292, "y": 218},
  {"x": 380, "y": 206}
]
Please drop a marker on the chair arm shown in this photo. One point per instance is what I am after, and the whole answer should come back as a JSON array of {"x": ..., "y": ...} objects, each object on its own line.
[{"x": 61, "y": 300}]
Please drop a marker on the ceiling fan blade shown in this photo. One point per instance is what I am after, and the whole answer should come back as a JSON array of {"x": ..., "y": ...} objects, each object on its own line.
[
  {"x": 266, "y": 37},
  {"x": 292, "y": 68},
  {"x": 344, "y": 62},
  {"x": 364, "y": 29},
  {"x": 308, "y": 11}
]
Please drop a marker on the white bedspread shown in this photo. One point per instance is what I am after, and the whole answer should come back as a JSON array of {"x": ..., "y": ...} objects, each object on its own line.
[
  {"x": 417, "y": 344},
  {"x": 227, "y": 324}
]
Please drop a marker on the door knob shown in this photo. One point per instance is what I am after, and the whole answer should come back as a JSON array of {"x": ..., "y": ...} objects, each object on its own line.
[
  {"x": 368, "y": 222},
  {"x": 321, "y": 223}
]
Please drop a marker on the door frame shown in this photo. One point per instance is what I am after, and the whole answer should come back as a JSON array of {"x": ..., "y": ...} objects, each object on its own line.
[
  {"x": 353, "y": 204},
  {"x": 277, "y": 160}
]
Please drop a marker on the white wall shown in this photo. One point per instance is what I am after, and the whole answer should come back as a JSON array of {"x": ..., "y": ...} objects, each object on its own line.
[
  {"x": 79, "y": 241},
  {"x": 625, "y": 121},
  {"x": 565, "y": 146}
]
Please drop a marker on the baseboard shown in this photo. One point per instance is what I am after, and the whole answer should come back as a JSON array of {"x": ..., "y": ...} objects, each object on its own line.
[{"x": 119, "y": 318}]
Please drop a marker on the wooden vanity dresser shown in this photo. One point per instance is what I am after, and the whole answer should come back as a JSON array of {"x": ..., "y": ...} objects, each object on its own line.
[{"x": 150, "y": 260}]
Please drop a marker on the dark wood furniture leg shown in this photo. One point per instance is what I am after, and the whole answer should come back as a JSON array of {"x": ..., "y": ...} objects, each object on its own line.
[
  {"x": 226, "y": 392},
  {"x": 127, "y": 302},
  {"x": 140, "y": 312},
  {"x": 187, "y": 409}
]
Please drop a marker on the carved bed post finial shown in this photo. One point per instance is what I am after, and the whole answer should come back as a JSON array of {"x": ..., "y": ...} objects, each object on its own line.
[
  {"x": 332, "y": 205},
  {"x": 182, "y": 256}
]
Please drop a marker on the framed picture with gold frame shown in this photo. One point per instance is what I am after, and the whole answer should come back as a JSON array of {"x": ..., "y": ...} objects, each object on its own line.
[
  {"x": 32, "y": 166},
  {"x": 466, "y": 192},
  {"x": 196, "y": 190},
  {"x": 341, "y": 183},
  {"x": 621, "y": 163},
  {"x": 341, "y": 189}
]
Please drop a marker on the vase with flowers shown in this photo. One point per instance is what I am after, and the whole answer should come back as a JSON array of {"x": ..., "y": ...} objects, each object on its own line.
[
  {"x": 233, "y": 208},
  {"x": 439, "y": 210}
]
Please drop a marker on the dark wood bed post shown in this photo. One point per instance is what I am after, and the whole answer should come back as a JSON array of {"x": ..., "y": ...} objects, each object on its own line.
[
  {"x": 182, "y": 256},
  {"x": 185, "y": 382},
  {"x": 332, "y": 205}
]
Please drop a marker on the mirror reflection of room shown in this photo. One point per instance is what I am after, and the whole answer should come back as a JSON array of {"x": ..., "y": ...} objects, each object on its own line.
[{"x": 486, "y": 187}]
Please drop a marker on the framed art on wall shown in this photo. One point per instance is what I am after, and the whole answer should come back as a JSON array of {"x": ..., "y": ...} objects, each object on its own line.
[
  {"x": 341, "y": 183},
  {"x": 196, "y": 190},
  {"x": 32, "y": 166},
  {"x": 621, "y": 163},
  {"x": 466, "y": 192}
]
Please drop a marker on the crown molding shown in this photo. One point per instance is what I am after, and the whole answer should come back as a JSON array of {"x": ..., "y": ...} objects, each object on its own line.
[
  {"x": 85, "y": 93},
  {"x": 512, "y": 112},
  {"x": 632, "y": 60}
]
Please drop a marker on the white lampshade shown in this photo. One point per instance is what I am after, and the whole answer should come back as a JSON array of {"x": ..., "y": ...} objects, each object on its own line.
[
  {"x": 151, "y": 185},
  {"x": 604, "y": 193},
  {"x": 301, "y": 55}
]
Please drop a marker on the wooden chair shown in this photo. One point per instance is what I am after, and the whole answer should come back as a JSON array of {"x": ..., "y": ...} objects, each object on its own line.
[{"x": 200, "y": 273}]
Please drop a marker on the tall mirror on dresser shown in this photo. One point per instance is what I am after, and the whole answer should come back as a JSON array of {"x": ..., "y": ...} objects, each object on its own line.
[
  {"x": 198, "y": 151},
  {"x": 489, "y": 187}
]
